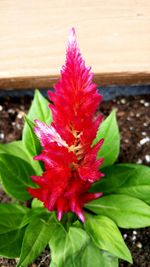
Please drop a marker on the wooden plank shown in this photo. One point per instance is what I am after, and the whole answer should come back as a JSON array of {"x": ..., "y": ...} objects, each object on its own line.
[{"x": 114, "y": 37}]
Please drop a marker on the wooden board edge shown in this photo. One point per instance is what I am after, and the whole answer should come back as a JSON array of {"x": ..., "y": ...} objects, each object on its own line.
[{"x": 102, "y": 79}]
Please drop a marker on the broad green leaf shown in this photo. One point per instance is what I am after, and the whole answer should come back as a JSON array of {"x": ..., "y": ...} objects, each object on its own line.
[
  {"x": 10, "y": 243},
  {"x": 137, "y": 183},
  {"x": 36, "y": 238},
  {"x": 115, "y": 176},
  {"x": 92, "y": 256},
  {"x": 128, "y": 179},
  {"x": 74, "y": 248},
  {"x": 39, "y": 109},
  {"x": 126, "y": 211},
  {"x": 66, "y": 245},
  {"x": 13, "y": 220},
  {"x": 15, "y": 175},
  {"x": 110, "y": 132},
  {"x": 11, "y": 217},
  {"x": 109, "y": 260},
  {"x": 15, "y": 148},
  {"x": 106, "y": 235},
  {"x": 32, "y": 144},
  {"x": 88, "y": 256}
]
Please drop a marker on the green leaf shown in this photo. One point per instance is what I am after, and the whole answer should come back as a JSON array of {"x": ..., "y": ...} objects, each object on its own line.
[
  {"x": 11, "y": 217},
  {"x": 137, "y": 183},
  {"x": 109, "y": 260},
  {"x": 39, "y": 109},
  {"x": 18, "y": 148},
  {"x": 110, "y": 132},
  {"x": 66, "y": 245},
  {"x": 88, "y": 256},
  {"x": 15, "y": 148},
  {"x": 15, "y": 175},
  {"x": 36, "y": 238},
  {"x": 10, "y": 243},
  {"x": 128, "y": 179},
  {"x": 32, "y": 144},
  {"x": 107, "y": 236},
  {"x": 126, "y": 211},
  {"x": 115, "y": 176},
  {"x": 74, "y": 248},
  {"x": 93, "y": 256},
  {"x": 31, "y": 141},
  {"x": 13, "y": 220}
]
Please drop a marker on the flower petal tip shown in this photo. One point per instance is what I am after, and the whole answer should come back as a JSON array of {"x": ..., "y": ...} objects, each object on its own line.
[
  {"x": 81, "y": 217},
  {"x": 102, "y": 174},
  {"x": 59, "y": 215},
  {"x": 98, "y": 195},
  {"x": 72, "y": 37}
]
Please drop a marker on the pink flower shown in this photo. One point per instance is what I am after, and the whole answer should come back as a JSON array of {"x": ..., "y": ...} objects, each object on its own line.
[{"x": 70, "y": 160}]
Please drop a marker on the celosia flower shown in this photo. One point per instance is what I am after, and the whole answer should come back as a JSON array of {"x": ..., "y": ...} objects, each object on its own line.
[{"x": 70, "y": 160}]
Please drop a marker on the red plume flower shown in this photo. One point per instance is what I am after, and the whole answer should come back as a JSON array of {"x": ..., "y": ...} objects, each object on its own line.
[{"x": 70, "y": 160}]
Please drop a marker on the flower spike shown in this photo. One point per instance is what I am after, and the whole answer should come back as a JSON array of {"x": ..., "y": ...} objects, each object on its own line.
[{"x": 70, "y": 159}]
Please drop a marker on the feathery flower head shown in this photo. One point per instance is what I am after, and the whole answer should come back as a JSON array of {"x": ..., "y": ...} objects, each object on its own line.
[{"x": 70, "y": 160}]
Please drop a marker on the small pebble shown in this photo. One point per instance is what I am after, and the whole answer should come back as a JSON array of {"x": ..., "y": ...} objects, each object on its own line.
[
  {"x": 125, "y": 236},
  {"x": 22, "y": 107},
  {"x": 139, "y": 245},
  {"x": 131, "y": 128},
  {"x": 20, "y": 115},
  {"x": 139, "y": 161},
  {"x": 144, "y": 140},
  {"x": 147, "y": 158},
  {"x": 135, "y": 232},
  {"x": 1, "y": 108},
  {"x": 144, "y": 133},
  {"x": 121, "y": 113},
  {"x": 131, "y": 114},
  {"x": 18, "y": 126},
  {"x": 11, "y": 111},
  {"x": 145, "y": 124},
  {"x": 13, "y": 123},
  {"x": 138, "y": 115},
  {"x": 146, "y": 104},
  {"x": 142, "y": 101},
  {"x": 133, "y": 237},
  {"x": 123, "y": 101},
  {"x": 128, "y": 119},
  {"x": 2, "y": 135}
]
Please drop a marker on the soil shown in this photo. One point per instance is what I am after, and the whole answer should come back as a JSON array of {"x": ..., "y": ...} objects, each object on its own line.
[{"x": 133, "y": 117}]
